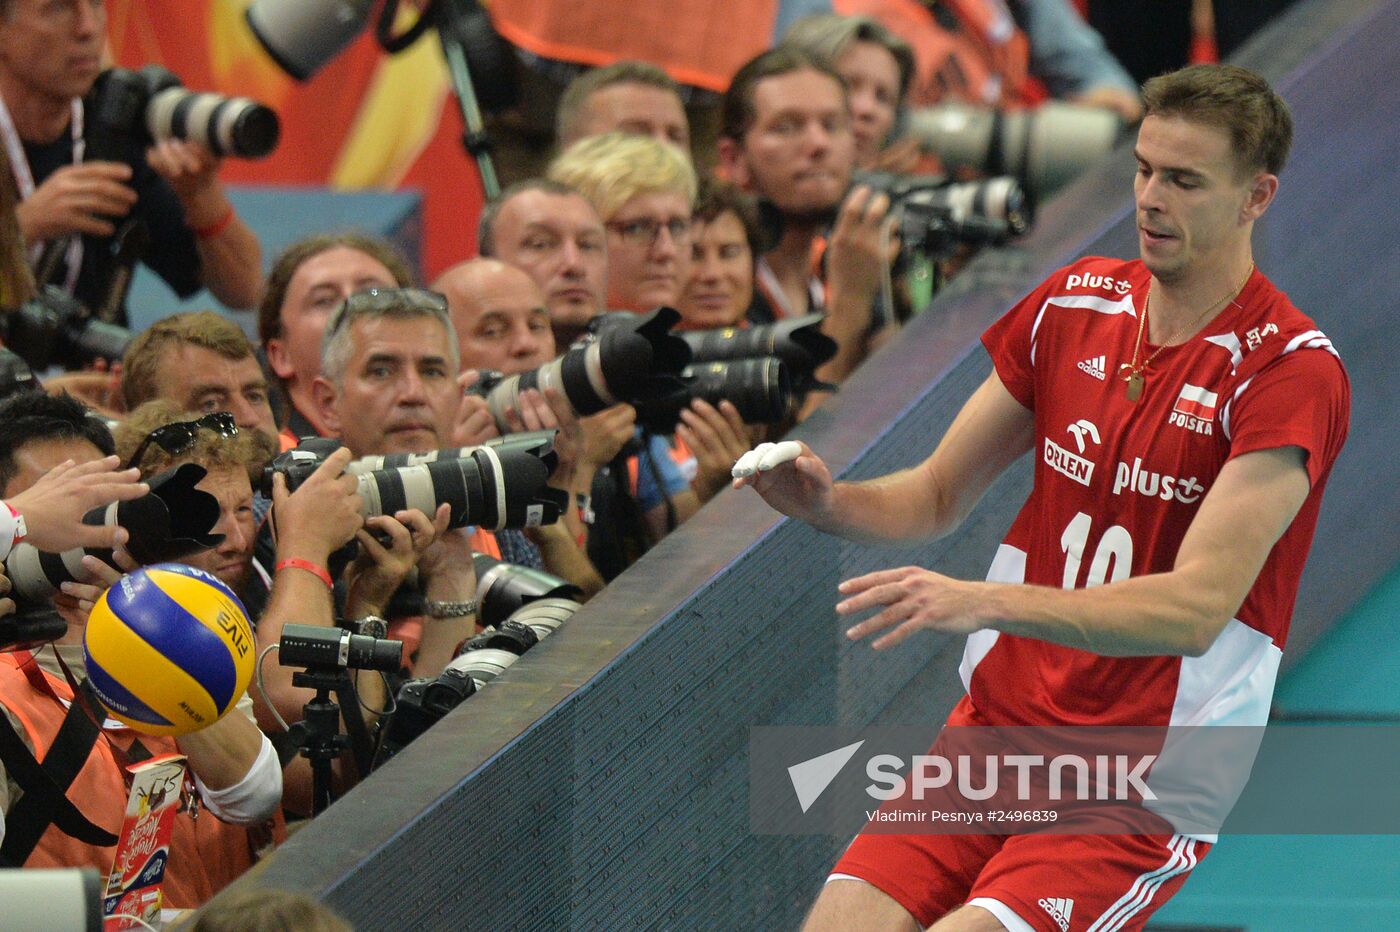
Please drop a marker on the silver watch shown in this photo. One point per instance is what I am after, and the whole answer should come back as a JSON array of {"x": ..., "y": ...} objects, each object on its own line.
[
  {"x": 372, "y": 625},
  {"x": 450, "y": 609}
]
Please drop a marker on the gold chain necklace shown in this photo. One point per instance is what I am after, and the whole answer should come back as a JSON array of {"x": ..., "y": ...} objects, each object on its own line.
[{"x": 1135, "y": 374}]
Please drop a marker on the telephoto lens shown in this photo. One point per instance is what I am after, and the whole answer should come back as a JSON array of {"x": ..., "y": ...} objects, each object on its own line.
[
  {"x": 798, "y": 342},
  {"x": 633, "y": 357},
  {"x": 760, "y": 388},
  {"x": 224, "y": 125},
  {"x": 502, "y": 589},
  {"x": 169, "y": 523},
  {"x": 493, "y": 487},
  {"x": 1043, "y": 148}
]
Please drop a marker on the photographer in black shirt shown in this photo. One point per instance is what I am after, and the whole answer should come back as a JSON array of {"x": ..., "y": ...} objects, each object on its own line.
[{"x": 50, "y": 58}]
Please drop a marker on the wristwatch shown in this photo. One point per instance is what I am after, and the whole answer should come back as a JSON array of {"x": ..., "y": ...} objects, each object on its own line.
[
  {"x": 450, "y": 609},
  {"x": 372, "y": 625}
]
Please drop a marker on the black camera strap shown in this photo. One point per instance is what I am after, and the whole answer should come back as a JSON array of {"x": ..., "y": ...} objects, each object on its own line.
[
  {"x": 45, "y": 801},
  {"x": 361, "y": 745}
]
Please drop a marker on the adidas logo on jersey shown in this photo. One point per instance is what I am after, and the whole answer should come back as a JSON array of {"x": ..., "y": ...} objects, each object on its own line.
[
  {"x": 1059, "y": 910},
  {"x": 1095, "y": 367}
]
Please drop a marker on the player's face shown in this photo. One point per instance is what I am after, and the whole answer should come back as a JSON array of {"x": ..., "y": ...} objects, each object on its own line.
[
  {"x": 52, "y": 49},
  {"x": 316, "y": 289},
  {"x": 1193, "y": 205},
  {"x": 559, "y": 241},
  {"x": 872, "y": 81},
  {"x": 636, "y": 108},
  {"x": 231, "y": 560},
  {"x": 720, "y": 285},
  {"x": 399, "y": 391},
  {"x": 800, "y": 151}
]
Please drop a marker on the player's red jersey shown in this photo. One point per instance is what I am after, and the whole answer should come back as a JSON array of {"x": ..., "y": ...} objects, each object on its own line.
[{"x": 1117, "y": 483}]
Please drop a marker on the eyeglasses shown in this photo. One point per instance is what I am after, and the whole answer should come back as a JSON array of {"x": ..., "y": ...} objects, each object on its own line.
[
  {"x": 380, "y": 300},
  {"x": 644, "y": 231},
  {"x": 384, "y": 299},
  {"x": 179, "y": 436}
]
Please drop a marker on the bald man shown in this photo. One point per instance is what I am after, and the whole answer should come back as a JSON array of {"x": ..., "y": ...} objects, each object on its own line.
[
  {"x": 499, "y": 314},
  {"x": 501, "y": 321}
]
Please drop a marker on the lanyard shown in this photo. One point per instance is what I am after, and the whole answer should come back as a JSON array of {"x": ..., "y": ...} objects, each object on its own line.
[
  {"x": 24, "y": 178},
  {"x": 778, "y": 298}
]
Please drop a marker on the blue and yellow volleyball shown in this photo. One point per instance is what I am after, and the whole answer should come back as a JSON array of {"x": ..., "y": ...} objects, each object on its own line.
[{"x": 169, "y": 649}]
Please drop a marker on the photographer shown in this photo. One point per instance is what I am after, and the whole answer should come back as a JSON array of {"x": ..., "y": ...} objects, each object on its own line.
[
  {"x": 50, "y": 57},
  {"x": 234, "y": 766},
  {"x": 388, "y": 384},
  {"x": 308, "y": 281},
  {"x": 502, "y": 324},
  {"x": 787, "y": 139},
  {"x": 158, "y": 436}
]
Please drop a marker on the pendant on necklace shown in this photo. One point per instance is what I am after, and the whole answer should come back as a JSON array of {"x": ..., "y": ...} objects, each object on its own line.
[{"x": 1134, "y": 380}]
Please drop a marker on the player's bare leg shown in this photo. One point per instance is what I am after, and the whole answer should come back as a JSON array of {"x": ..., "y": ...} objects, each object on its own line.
[
  {"x": 845, "y": 905},
  {"x": 968, "y": 919}
]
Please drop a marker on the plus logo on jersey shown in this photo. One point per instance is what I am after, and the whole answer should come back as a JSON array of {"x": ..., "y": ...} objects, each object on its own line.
[
  {"x": 1118, "y": 285},
  {"x": 1194, "y": 409},
  {"x": 1095, "y": 367},
  {"x": 1069, "y": 464},
  {"x": 1155, "y": 485}
]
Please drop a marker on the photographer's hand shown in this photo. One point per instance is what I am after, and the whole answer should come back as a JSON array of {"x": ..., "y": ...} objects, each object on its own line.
[
  {"x": 319, "y": 517},
  {"x": 855, "y": 261},
  {"x": 717, "y": 437},
  {"x": 53, "y": 507},
  {"x": 377, "y": 571},
  {"x": 473, "y": 424},
  {"x": 79, "y": 198},
  {"x": 80, "y": 597},
  {"x": 7, "y": 606}
]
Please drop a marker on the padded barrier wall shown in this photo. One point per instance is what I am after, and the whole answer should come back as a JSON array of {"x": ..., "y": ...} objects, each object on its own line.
[{"x": 602, "y": 782}]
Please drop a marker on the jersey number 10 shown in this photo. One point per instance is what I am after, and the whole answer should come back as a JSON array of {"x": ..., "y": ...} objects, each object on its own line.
[{"x": 1114, "y": 553}]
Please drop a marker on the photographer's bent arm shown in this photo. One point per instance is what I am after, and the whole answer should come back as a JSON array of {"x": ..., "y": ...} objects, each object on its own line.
[
  {"x": 230, "y": 256},
  {"x": 1180, "y": 612}
]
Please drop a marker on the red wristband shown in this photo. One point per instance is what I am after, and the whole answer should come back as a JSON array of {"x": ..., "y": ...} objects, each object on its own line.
[
  {"x": 218, "y": 226},
  {"x": 295, "y": 563}
]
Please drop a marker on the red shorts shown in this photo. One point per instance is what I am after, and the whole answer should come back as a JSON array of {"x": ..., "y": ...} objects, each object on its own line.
[{"x": 1053, "y": 882}]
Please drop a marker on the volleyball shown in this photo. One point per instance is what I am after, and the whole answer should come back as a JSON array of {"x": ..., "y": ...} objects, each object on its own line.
[{"x": 169, "y": 649}]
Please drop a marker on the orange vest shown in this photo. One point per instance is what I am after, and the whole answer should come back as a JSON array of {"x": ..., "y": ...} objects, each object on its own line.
[
  {"x": 697, "y": 43},
  {"x": 984, "y": 61},
  {"x": 205, "y": 853}
]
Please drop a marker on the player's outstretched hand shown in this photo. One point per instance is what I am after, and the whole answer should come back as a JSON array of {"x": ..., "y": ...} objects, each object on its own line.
[
  {"x": 53, "y": 507},
  {"x": 912, "y": 598},
  {"x": 789, "y": 476}
]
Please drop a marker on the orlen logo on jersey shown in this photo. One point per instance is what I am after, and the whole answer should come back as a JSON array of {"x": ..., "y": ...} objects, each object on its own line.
[
  {"x": 1099, "y": 281},
  {"x": 1156, "y": 485},
  {"x": 1062, "y": 461}
]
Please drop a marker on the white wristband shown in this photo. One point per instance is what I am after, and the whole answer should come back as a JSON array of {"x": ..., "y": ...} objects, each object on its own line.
[{"x": 12, "y": 529}]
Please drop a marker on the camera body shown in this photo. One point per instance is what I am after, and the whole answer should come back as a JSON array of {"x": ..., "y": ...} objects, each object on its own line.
[
  {"x": 54, "y": 329},
  {"x": 938, "y": 216}
]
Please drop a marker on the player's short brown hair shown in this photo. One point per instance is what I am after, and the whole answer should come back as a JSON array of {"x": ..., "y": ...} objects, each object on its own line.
[
  {"x": 291, "y": 259},
  {"x": 141, "y": 366},
  {"x": 1234, "y": 99}
]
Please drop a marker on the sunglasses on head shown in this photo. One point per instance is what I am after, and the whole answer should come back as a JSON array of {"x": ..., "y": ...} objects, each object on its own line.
[{"x": 178, "y": 436}]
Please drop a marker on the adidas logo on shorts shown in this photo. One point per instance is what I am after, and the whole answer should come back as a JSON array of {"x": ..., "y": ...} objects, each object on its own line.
[
  {"x": 1095, "y": 367},
  {"x": 1059, "y": 909}
]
